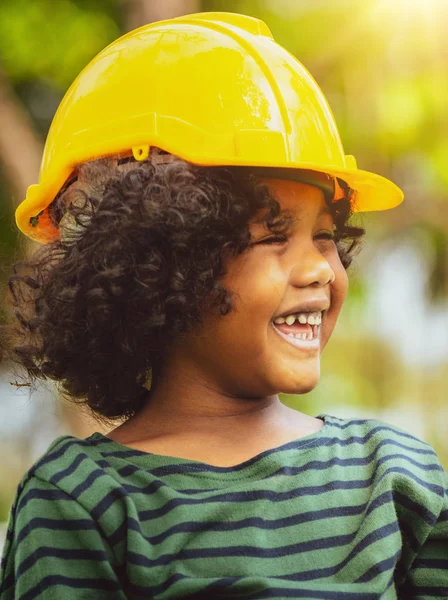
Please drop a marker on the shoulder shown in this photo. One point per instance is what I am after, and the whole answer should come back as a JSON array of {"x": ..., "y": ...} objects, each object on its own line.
[
  {"x": 59, "y": 511},
  {"x": 373, "y": 432},
  {"x": 66, "y": 459},
  {"x": 65, "y": 484},
  {"x": 394, "y": 458},
  {"x": 71, "y": 470}
]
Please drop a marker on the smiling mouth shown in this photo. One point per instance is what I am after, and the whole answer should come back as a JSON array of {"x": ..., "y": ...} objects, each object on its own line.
[{"x": 305, "y": 337}]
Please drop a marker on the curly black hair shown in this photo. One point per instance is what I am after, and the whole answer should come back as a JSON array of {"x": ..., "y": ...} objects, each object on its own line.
[{"x": 143, "y": 246}]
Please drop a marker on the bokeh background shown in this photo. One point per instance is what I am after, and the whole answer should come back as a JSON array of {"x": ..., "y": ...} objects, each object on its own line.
[{"x": 383, "y": 66}]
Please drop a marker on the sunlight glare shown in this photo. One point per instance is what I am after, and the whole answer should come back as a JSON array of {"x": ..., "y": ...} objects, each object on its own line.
[{"x": 414, "y": 8}]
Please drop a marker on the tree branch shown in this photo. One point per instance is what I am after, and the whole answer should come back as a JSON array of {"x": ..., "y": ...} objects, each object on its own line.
[
  {"x": 20, "y": 147},
  {"x": 141, "y": 12}
]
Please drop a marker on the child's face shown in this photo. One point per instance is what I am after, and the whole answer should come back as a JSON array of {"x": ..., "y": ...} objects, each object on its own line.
[{"x": 240, "y": 352}]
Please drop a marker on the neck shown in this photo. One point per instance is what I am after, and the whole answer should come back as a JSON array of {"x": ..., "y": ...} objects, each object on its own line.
[{"x": 184, "y": 404}]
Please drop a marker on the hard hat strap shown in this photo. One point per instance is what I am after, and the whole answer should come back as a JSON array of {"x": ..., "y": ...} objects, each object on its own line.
[{"x": 333, "y": 188}]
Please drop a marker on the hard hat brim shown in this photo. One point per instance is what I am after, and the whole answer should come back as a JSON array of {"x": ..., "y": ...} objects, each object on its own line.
[{"x": 372, "y": 192}]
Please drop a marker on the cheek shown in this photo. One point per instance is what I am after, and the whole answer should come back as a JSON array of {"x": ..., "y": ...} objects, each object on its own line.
[
  {"x": 256, "y": 290},
  {"x": 339, "y": 287},
  {"x": 257, "y": 287}
]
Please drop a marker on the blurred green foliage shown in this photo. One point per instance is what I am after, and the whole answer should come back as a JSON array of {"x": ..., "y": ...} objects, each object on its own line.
[{"x": 52, "y": 41}]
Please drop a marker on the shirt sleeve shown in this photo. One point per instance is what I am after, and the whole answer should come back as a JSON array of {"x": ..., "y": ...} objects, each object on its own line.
[
  {"x": 55, "y": 549},
  {"x": 427, "y": 579}
]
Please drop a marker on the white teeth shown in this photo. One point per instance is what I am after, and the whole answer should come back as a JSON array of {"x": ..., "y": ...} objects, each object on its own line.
[
  {"x": 279, "y": 320},
  {"x": 301, "y": 317},
  {"x": 303, "y": 336},
  {"x": 303, "y": 341}
]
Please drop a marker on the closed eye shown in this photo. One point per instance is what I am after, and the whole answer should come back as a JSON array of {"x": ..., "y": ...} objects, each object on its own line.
[
  {"x": 328, "y": 236},
  {"x": 281, "y": 240},
  {"x": 274, "y": 240}
]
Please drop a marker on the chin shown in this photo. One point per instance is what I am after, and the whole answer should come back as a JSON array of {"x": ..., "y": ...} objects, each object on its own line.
[
  {"x": 305, "y": 384},
  {"x": 308, "y": 387}
]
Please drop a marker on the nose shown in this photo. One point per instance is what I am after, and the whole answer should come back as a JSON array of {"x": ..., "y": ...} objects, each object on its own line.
[{"x": 312, "y": 267}]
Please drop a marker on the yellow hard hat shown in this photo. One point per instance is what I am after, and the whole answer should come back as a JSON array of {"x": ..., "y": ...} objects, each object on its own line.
[{"x": 212, "y": 88}]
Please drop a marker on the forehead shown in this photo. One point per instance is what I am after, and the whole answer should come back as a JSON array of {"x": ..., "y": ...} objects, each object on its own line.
[{"x": 301, "y": 199}]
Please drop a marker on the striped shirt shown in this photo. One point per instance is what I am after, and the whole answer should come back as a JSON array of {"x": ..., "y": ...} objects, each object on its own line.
[{"x": 356, "y": 510}]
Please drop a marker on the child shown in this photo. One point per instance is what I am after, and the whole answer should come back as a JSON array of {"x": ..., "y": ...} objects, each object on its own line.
[{"x": 193, "y": 208}]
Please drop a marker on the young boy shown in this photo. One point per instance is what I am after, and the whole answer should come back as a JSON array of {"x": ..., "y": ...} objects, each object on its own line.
[{"x": 193, "y": 209}]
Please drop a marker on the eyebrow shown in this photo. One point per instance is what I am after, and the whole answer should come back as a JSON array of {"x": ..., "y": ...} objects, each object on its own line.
[{"x": 325, "y": 210}]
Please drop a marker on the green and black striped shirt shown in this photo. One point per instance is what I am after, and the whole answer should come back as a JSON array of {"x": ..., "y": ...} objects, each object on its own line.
[{"x": 357, "y": 510}]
